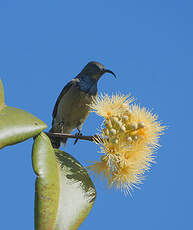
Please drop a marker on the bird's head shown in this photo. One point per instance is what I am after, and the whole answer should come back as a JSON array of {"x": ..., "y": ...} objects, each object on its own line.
[{"x": 95, "y": 70}]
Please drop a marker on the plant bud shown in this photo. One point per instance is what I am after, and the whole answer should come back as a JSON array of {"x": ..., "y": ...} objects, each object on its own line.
[
  {"x": 133, "y": 126},
  {"x": 112, "y": 131},
  {"x": 141, "y": 125},
  {"x": 114, "y": 141},
  {"x": 135, "y": 137},
  {"x": 125, "y": 118},
  {"x": 123, "y": 129},
  {"x": 129, "y": 139}
]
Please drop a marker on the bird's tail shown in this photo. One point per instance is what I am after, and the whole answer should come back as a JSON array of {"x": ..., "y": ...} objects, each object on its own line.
[
  {"x": 57, "y": 141},
  {"x": 54, "y": 140}
]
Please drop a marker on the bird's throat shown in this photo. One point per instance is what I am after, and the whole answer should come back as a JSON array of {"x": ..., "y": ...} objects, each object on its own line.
[{"x": 88, "y": 85}]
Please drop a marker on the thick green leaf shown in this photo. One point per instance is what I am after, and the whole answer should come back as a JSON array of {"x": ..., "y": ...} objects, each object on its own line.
[
  {"x": 47, "y": 183},
  {"x": 2, "y": 100},
  {"x": 63, "y": 179},
  {"x": 17, "y": 125},
  {"x": 77, "y": 193}
]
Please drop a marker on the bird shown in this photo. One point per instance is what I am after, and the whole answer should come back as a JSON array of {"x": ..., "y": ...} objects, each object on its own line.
[{"x": 72, "y": 105}]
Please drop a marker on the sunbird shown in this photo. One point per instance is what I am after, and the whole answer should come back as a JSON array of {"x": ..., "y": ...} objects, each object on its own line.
[{"x": 72, "y": 106}]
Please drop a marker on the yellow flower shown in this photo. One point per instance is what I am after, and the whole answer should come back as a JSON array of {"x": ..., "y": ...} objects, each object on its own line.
[
  {"x": 130, "y": 137},
  {"x": 107, "y": 106},
  {"x": 101, "y": 169},
  {"x": 150, "y": 129}
]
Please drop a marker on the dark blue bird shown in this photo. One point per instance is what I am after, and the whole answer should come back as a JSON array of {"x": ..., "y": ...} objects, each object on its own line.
[{"x": 72, "y": 106}]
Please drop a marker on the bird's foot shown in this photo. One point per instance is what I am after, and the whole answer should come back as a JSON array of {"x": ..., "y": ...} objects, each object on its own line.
[
  {"x": 78, "y": 134},
  {"x": 61, "y": 124}
]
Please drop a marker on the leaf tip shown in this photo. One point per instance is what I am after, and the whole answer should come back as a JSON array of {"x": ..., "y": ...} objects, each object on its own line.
[{"x": 2, "y": 98}]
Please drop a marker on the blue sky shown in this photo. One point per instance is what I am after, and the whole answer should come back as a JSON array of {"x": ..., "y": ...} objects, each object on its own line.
[{"x": 148, "y": 44}]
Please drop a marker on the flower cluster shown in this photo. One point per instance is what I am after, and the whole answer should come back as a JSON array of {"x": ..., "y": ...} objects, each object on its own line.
[{"x": 129, "y": 136}]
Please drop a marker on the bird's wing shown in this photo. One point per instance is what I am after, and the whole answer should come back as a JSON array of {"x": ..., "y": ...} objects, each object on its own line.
[{"x": 64, "y": 91}]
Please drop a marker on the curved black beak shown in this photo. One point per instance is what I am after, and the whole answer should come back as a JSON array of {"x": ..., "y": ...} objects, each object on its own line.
[{"x": 109, "y": 71}]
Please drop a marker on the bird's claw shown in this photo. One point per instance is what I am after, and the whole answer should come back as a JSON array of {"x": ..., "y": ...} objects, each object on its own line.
[
  {"x": 77, "y": 135},
  {"x": 61, "y": 124}
]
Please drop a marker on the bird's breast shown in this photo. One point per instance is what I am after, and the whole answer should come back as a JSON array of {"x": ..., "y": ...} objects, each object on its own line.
[{"x": 73, "y": 108}]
